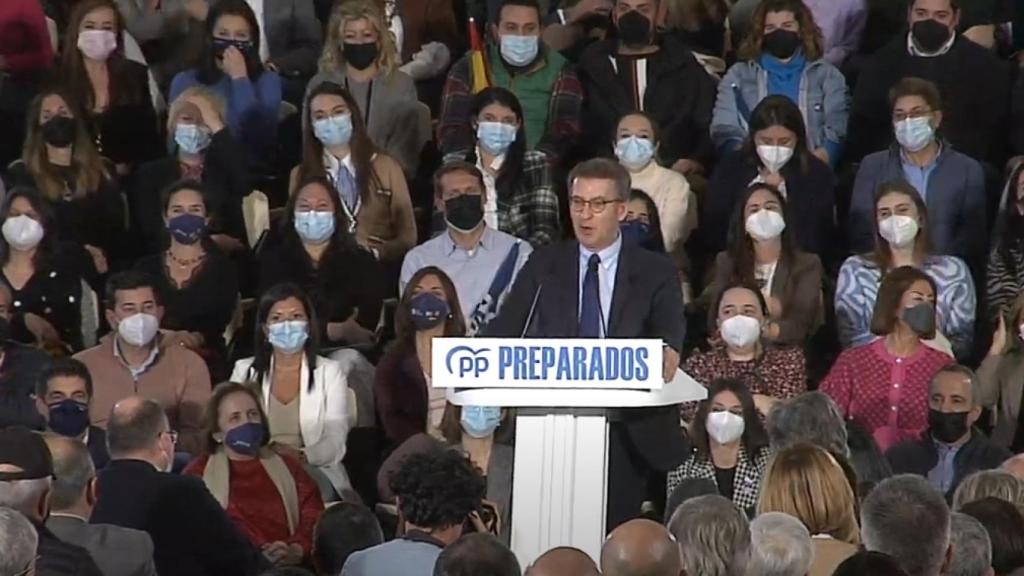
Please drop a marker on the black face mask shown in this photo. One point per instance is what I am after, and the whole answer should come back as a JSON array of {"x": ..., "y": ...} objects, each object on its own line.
[
  {"x": 360, "y": 56},
  {"x": 634, "y": 29},
  {"x": 920, "y": 318},
  {"x": 930, "y": 35},
  {"x": 947, "y": 427},
  {"x": 59, "y": 131},
  {"x": 781, "y": 43},
  {"x": 222, "y": 44},
  {"x": 465, "y": 212}
]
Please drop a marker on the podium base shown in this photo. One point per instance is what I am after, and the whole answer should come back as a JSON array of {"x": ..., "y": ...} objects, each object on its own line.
[{"x": 560, "y": 481}]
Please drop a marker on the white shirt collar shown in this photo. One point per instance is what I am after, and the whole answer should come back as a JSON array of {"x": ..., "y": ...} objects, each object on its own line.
[
  {"x": 333, "y": 164},
  {"x": 496, "y": 164},
  {"x": 913, "y": 50},
  {"x": 608, "y": 255}
]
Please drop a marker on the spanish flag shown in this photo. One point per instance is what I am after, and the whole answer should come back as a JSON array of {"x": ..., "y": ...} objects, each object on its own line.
[{"x": 477, "y": 61}]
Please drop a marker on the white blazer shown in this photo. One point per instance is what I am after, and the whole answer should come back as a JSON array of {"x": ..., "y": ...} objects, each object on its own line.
[{"x": 323, "y": 414}]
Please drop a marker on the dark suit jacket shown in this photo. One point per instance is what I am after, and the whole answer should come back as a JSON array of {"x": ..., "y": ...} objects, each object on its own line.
[
  {"x": 920, "y": 455},
  {"x": 192, "y": 536},
  {"x": 58, "y": 558},
  {"x": 97, "y": 446},
  {"x": 18, "y": 375},
  {"x": 797, "y": 285},
  {"x": 646, "y": 303},
  {"x": 118, "y": 551},
  {"x": 293, "y": 36}
]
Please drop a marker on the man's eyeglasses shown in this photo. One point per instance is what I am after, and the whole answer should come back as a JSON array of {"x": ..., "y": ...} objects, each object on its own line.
[
  {"x": 173, "y": 434},
  {"x": 597, "y": 205}
]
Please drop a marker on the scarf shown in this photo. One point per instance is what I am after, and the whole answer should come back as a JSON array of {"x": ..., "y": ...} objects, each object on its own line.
[{"x": 217, "y": 478}]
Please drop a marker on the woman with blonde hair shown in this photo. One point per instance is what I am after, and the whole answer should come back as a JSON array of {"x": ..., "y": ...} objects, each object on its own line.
[
  {"x": 360, "y": 55},
  {"x": 808, "y": 483},
  {"x": 989, "y": 483}
]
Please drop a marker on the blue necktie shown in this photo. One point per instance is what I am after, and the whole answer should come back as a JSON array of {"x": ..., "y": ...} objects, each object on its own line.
[
  {"x": 346, "y": 186},
  {"x": 590, "y": 311}
]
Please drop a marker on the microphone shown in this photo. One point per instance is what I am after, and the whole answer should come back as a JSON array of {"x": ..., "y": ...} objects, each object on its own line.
[{"x": 533, "y": 308}]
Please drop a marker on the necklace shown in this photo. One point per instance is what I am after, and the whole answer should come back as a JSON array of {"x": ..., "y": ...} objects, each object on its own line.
[{"x": 185, "y": 262}]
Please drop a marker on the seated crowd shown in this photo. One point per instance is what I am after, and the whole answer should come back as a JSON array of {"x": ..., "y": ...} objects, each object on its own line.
[{"x": 230, "y": 231}]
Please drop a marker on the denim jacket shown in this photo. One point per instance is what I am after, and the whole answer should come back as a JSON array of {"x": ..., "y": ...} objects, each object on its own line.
[{"x": 824, "y": 102}]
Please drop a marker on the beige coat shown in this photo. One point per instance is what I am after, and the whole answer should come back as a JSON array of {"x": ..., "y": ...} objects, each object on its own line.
[
  {"x": 828, "y": 554},
  {"x": 1002, "y": 384}
]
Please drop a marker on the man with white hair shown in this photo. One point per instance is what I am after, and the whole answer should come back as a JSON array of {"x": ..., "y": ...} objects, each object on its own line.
[
  {"x": 780, "y": 545},
  {"x": 17, "y": 544},
  {"x": 25, "y": 472},
  {"x": 713, "y": 536},
  {"x": 972, "y": 547},
  {"x": 908, "y": 519}
]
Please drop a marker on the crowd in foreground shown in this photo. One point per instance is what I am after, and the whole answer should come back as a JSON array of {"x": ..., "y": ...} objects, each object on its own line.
[{"x": 231, "y": 231}]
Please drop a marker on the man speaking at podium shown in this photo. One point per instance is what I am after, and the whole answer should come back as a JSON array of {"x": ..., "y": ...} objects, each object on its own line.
[{"x": 597, "y": 286}]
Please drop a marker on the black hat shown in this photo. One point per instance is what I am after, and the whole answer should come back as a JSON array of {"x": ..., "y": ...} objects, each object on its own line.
[{"x": 26, "y": 450}]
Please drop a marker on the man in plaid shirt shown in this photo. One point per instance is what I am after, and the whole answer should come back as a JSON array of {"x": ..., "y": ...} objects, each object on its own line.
[{"x": 542, "y": 80}]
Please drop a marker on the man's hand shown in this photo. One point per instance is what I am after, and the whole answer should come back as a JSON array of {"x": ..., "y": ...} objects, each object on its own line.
[
  {"x": 822, "y": 154},
  {"x": 670, "y": 364},
  {"x": 41, "y": 328},
  {"x": 586, "y": 8},
  {"x": 197, "y": 9},
  {"x": 99, "y": 259},
  {"x": 998, "y": 339},
  {"x": 210, "y": 118}
]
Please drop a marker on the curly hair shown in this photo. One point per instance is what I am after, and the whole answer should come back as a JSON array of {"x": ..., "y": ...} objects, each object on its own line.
[
  {"x": 437, "y": 489},
  {"x": 332, "y": 58}
]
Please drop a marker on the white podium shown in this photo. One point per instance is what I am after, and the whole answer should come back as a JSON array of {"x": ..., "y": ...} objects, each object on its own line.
[{"x": 561, "y": 455}]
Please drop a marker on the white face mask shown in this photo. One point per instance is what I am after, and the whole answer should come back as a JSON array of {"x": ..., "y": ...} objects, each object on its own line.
[
  {"x": 740, "y": 331},
  {"x": 22, "y": 232},
  {"x": 725, "y": 427},
  {"x": 138, "y": 329},
  {"x": 914, "y": 134},
  {"x": 898, "y": 230},
  {"x": 774, "y": 157},
  {"x": 765, "y": 225}
]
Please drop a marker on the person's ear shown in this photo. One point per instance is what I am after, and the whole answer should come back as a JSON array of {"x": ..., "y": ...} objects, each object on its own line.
[
  {"x": 948, "y": 560},
  {"x": 159, "y": 313},
  {"x": 938, "y": 119},
  {"x": 44, "y": 504},
  {"x": 972, "y": 416},
  {"x": 91, "y": 492},
  {"x": 42, "y": 408},
  {"x": 111, "y": 319}
]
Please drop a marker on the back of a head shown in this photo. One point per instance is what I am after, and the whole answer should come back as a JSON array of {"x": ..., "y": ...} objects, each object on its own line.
[
  {"x": 343, "y": 529},
  {"x": 713, "y": 536},
  {"x": 18, "y": 542},
  {"x": 866, "y": 563},
  {"x": 985, "y": 483},
  {"x": 563, "y": 561},
  {"x": 134, "y": 426},
  {"x": 640, "y": 548},
  {"x": 907, "y": 519},
  {"x": 972, "y": 549},
  {"x": 686, "y": 489},
  {"x": 1005, "y": 526},
  {"x": 72, "y": 471},
  {"x": 780, "y": 545},
  {"x": 437, "y": 489},
  {"x": 477, "y": 555},
  {"x": 811, "y": 417}
]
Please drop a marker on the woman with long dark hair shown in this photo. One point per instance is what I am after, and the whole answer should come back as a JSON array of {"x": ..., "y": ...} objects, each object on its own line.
[
  {"x": 762, "y": 253},
  {"x": 730, "y": 445},
  {"x": 520, "y": 199},
  {"x": 1004, "y": 277},
  {"x": 317, "y": 252},
  {"x": 643, "y": 222},
  {"x": 776, "y": 153},
  {"x": 374, "y": 197},
  {"x": 406, "y": 403},
  {"x": 304, "y": 395},
  {"x": 46, "y": 288},
  {"x": 197, "y": 282},
  {"x": 112, "y": 90},
  {"x": 61, "y": 162},
  {"x": 231, "y": 67}
]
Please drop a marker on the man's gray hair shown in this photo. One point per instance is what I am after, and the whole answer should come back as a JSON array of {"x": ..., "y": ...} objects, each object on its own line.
[
  {"x": 960, "y": 370},
  {"x": 18, "y": 542},
  {"x": 603, "y": 169},
  {"x": 812, "y": 418},
  {"x": 713, "y": 536},
  {"x": 24, "y": 495},
  {"x": 907, "y": 519},
  {"x": 72, "y": 471},
  {"x": 780, "y": 545},
  {"x": 972, "y": 548}
]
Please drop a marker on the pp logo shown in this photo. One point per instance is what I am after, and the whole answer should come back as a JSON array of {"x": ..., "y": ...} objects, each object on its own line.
[{"x": 467, "y": 361}]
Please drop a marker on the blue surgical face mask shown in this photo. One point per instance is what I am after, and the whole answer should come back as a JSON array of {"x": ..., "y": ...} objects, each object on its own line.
[
  {"x": 519, "y": 50},
  {"x": 288, "y": 336},
  {"x": 914, "y": 134},
  {"x": 313, "y": 226},
  {"x": 333, "y": 131},
  {"x": 634, "y": 152},
  {"x": 635, "y": 232},
  {"x": 191, "y": 138},
  {"x": 245, "y": 439},
  {"x": 480, "y": 421},
  {"x": 495, "y": 137},
  {"x": 427, "y": 310},
  {"x": 68, "y": 417}
]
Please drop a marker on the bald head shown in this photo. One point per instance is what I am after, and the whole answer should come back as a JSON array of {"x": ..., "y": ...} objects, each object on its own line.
[
  {"x": 640, "y": 548},
  {"x": 563, "y": 561},
  {"x": 1015, "y": 466},
  {"x": 138, "y": 428}
]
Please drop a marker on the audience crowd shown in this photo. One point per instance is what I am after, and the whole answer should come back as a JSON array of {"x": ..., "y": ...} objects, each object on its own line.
[{"x": 230, "y": 231}]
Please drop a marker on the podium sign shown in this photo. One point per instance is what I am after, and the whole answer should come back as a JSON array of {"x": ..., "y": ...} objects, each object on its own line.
[{"x": 606, "y": 364}]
